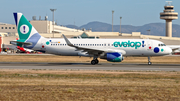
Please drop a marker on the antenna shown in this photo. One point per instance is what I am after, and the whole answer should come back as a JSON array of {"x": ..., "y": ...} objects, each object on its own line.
[
  {"x": 74, "y": 23},
  {"x": 169, "y": 3}
]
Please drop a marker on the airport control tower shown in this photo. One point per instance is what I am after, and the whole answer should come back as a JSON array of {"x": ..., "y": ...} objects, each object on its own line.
[{"x": 169, "y": 15}]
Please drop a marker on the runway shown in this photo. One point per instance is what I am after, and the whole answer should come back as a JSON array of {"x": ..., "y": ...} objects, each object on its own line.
[{"x": 88, "y": 66}]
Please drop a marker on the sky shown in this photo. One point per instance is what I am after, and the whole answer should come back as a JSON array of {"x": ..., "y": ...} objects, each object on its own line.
[{"x": 80, "y": 12}]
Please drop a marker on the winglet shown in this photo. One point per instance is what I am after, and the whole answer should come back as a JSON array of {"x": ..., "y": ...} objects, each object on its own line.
[{"x": 67, "y": 41}]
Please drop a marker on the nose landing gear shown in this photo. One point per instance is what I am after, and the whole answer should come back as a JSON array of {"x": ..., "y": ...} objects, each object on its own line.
[{"x": 149, "y": 60}]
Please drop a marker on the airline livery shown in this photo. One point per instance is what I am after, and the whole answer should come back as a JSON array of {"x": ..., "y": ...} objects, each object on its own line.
[{"x": 111, "y": 50}]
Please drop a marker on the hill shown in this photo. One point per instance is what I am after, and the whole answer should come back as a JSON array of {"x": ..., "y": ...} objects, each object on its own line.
[{"x": 157, "y": 29}]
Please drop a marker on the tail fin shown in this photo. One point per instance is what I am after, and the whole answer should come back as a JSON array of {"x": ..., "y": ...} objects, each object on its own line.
[{"x": 27, "y": 33}]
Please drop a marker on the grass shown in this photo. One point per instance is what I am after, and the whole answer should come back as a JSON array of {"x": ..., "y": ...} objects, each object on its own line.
[
  {"x": 71, "y": 85},
  {"x": 76, "y": 59},
  {"x": 56, "y": 85}
]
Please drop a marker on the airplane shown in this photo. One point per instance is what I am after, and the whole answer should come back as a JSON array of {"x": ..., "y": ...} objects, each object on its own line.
[
  {"x": 21, "y": 49},
  {"x": 175, "y": 49},
  {"x": 112, "y": 50},
  {"x": 24, "y": 50}
]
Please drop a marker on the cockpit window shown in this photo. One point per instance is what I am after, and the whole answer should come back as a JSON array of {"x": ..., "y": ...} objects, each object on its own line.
[{"x": 161, "y": 45}]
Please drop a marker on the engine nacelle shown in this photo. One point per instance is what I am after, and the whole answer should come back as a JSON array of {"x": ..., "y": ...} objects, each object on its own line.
[{"x": 114, "y": 57}]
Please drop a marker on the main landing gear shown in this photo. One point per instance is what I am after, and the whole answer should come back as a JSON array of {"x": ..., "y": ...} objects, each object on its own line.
[
  {"x": 149, "y": 60},
  {"x": 94, "y": 61}
]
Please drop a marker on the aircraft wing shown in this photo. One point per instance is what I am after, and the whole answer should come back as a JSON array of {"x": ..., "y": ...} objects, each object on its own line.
[
  {"x": 93, "y": 51},
  {"x": 175, "y": 48}
]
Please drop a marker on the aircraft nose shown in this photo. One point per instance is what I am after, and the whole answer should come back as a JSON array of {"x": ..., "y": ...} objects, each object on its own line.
[{"x": 168, "y": 50}]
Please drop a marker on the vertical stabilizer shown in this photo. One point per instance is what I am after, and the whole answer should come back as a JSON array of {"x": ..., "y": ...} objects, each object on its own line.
[{"x": 27, "y": 33}]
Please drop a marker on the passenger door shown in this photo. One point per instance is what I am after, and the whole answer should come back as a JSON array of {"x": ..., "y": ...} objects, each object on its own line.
[
  {"x": 149, "y": 45},
  {"x": 43, "y": 45}
]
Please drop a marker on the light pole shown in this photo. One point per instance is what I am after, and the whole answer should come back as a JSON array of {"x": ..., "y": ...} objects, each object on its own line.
[
  {"x": 112, "y": 19},
  {"x": 149, "y": 31},
  {"x": 53, "y": 20},
  {"x": 120, "y": 25}
]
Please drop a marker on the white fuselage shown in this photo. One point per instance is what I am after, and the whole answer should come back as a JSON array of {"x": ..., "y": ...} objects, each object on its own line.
[{"x": 128, "y": 47}]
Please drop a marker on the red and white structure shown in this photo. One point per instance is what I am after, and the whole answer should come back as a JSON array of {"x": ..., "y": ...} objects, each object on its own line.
[{"x": 0, "y": 44}]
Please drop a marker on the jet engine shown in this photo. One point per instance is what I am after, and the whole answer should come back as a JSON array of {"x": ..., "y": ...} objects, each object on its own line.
[{"x": 113, "y": 57}]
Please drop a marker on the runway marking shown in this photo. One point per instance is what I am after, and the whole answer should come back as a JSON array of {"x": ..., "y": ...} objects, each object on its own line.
[{"x": 88, "y": 66}]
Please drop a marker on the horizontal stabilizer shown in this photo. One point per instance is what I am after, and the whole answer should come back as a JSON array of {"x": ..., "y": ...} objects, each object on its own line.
[{"x": 23, "y": 43}]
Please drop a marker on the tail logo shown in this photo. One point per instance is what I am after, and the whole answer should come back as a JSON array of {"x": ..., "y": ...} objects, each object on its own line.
[
  {"x": 47, "y": 43},
  {"x": 24, "y": 29}
]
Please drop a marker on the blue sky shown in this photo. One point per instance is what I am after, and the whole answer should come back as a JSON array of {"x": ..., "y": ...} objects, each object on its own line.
[{"x": 133, "y": 12}]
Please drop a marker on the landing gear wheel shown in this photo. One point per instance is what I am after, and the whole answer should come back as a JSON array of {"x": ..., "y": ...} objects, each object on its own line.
[
  {"x": 93, "y": 62},
  {"x": 97, "y": 61},
  {"x": 149, "y": 63}
]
